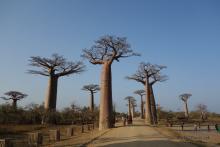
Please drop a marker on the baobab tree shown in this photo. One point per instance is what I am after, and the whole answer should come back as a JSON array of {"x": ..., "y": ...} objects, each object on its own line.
[
  {"x": 202, "y": 108},
  {"x": 154, "y": 79},
  {"x": 54, "y": 68},
  {"x": 143, "y": 75},
  {"x": 141, "y": 93},
  {"x": 184, "y": 97},
  {"x": 92, "y": 88},
  {"x": 129, "y": 99},
  {"x": 105, "y": 51},
  {"x": 14, "y": 96},
  {"x": 133, "y": 105}
]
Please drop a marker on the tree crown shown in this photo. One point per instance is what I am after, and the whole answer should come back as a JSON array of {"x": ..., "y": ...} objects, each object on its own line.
[
  {"x": 108, "y": 48},
  {"x": 184, "y": 97},
  {"x": 55, "y": 66},
  {"x": 91, "y": 87},
  {"x": 140, "y": 92},
  {"x": 14, "y": 95},
  {"x": 146, "y": 71}
]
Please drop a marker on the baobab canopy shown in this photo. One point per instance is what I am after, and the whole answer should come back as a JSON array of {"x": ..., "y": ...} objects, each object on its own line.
[{"x": 108, "y": 48}]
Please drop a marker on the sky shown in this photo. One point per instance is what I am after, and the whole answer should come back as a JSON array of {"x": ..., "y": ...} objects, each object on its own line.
[{"x": 184, "y": 35}]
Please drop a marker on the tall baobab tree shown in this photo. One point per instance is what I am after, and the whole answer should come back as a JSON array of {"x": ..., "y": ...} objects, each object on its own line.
[
  {"x": 129, "y": 99},
  {"x": 143, "y": 75},
  {"x": 141, "y": 93},
  {"x": 54, "y": 68},
  {"x": 184, "y": 97},
  {"x": 154, "y": 79},
  {"x": 92, "y": 88},
  {"x": 14, "y": 96},
  {"x": 106, "y": 50}
]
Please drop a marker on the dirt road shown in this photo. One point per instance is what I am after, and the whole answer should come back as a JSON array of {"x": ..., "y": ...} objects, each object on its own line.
[{"x": 137, "y": 135}]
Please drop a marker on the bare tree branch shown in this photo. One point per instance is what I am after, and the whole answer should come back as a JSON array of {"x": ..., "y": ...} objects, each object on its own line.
[
  {"x": 55, "y": 66},
  {"x": 108, "y": 48},
  {"x": 146, "y": 71}
]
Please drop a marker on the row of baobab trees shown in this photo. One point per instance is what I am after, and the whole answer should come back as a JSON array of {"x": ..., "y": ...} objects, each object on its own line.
[{"x": 104, "y": 52}]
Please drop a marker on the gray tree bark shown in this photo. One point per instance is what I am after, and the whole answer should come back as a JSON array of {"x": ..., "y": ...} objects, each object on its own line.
[
  {"x": 148, "y": 113},
  {"x": 51, "y": 97},
  {"x": 186, "y": 110},
  {"x": 153, "y": 106},
  {"x": 106, "y": 113},
  {"x": 14, "y": 103},
  {"x": 92, "y": 102},
  {"x": 142, "y": 108}
]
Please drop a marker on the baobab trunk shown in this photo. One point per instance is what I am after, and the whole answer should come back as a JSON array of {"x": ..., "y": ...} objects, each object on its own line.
[
  {"x": 92, "y": 102},
  {"x": 51, "y": 98},
  {"x": 129, "y": 112},
  {"x": 142, "y": 108},
  {"x": 148, "y": 113},
  {"x": 106, "y": 114},
  {"x": 14, "y": 104},
  {"x": 186, "y": 110},
  {"x": 153, "y": 105}
]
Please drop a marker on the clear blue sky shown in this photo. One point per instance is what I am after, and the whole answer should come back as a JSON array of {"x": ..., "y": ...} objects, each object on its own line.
[{"x": 182, "y": 34}]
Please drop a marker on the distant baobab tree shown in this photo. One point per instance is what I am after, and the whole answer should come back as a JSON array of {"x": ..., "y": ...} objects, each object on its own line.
[
  {"x": 143, "y": 75},
  {"x": 154, "y": 79},
  {"x": 106, "y": 50},
  {"x": 141, "y": 93},
  {"x": 202, "y": 108},
  {"x": 14, "y": 96},
  {"x": 54, "y": 67},
  {"x": 133, "y": 105},
  {"x": 92, "y": 88},
  {"x": 184, "y": 97},
  {"x": 129, "y": 99}
]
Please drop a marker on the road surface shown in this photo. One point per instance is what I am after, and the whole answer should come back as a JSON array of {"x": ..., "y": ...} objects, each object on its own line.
[{"x": 136, "y": 135}]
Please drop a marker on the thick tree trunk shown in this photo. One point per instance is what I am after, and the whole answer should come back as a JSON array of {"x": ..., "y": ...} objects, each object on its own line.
[
  {"x": 14, "y": 104},
  {"x": 153, "y": 105},
  {"x": 51, "y": 98},
  {"x": 142, "y": 108},
  {"x": 92, "y": 102},
  {"x": 148, "y": 113},
  {"x": 186, "y": 110},
  {"x": 106, "y": 113},
  {"x": 129, "y": 112}
]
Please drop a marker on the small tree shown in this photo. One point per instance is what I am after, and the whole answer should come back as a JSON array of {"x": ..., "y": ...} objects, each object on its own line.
[
  {"x": 143, "y": 75},
  {"x": 14, "y": 96},
  {"x": 141, "y": 93},
  {"x": 105, "y": 51},
  {"x": 184, "y": 97},
  {"x": 54, "y": 67},
  {"x": 92, "y": 89}
]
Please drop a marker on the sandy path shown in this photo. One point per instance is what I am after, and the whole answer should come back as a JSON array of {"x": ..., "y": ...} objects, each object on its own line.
[{"x": 136, "y": 136}]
